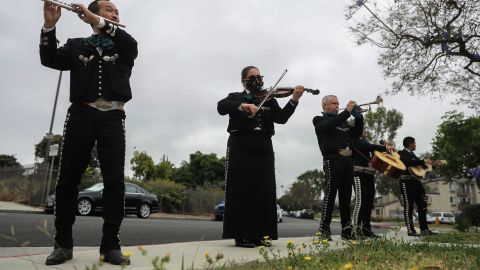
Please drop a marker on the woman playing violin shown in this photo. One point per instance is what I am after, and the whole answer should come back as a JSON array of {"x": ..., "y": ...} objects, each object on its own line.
[{"x": 250, "y": 199}]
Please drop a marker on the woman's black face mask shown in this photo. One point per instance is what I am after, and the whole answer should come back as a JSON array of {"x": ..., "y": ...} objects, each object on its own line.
[{"x": 254, "y": 83}]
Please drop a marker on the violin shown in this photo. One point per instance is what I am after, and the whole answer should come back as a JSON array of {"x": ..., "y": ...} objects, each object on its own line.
[
  {"x": 281, "y": 92},
  {"x": 262, "y": 96}
]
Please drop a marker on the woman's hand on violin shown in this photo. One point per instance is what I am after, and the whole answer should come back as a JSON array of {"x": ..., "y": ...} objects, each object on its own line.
[
  {"x": 297, "y": 93},
  {"x": 250, "y": 108}
]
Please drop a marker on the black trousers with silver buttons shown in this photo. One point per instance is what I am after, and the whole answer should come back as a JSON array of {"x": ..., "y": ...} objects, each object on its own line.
[
  {"x": 364, "y": 186},
  {"x": 84, "y": 126},
  {"x": 338, "y": 177},
  {"x": 413, "y": 192}
]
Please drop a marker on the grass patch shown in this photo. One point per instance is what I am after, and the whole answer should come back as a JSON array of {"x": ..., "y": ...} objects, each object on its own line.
[
  {"x": 377, "y": 254},
  {"x": 454, "y": 238}
]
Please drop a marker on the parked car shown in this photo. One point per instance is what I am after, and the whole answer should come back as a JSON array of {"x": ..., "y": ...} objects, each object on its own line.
[
  {"x": 219, "y": 210},
  {"x": 400, "y": 217},
  {"x": 307, "y": 213},
  {"x": 443, "y": 217},
  {"x": 279, "y": 214},
  {"x": 137, "y": 201}
]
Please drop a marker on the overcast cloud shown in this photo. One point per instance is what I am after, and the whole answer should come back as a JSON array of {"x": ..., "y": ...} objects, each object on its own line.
[{"x": 190, "y": 56}]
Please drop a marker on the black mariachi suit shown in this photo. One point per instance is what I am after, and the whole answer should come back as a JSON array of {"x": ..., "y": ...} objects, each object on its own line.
[
  {"x": 250, "y": 196},
  {"x": 364, "y": 184},
  {"x": 333, "y": 134},
  {"x": 412, "y": 192},
  {"x": 92, "y": 76}
]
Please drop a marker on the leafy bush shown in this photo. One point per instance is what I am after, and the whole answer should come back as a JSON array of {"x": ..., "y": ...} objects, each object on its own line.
[
  {"x": 201, "y": 200},
  {"x": 471, "y": 215},
  {"x": 170, "y": 194}
]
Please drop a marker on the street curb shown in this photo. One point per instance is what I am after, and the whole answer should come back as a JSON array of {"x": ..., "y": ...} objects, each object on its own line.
[{"x": 22, "y": 211}]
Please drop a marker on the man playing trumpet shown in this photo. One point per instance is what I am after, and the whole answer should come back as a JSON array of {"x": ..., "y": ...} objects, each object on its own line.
[
  {"x": 100, "y": 67},
  {"x": 334, "y": 138}
]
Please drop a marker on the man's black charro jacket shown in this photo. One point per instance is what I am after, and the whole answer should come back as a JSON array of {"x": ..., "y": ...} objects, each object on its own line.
[
  {"x": 106, "y": 75},
  {"x": 333, "y": 132},
  {"x": 363, "y": 151},
  {"x": 239, "y": 120},
  {"x": 410, "y": 159}
]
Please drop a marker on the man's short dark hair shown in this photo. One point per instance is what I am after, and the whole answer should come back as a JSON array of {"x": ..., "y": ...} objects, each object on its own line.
[
  {"x": 245, "y": 71},
  {"x": 93, "y": 7},
  {"x": 407, "y": 141}
]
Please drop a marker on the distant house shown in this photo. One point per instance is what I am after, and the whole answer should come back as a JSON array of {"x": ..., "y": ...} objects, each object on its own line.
[{"x": 442, "y": 197}]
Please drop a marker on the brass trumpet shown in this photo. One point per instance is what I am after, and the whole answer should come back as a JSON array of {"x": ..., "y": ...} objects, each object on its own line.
[{"x": 378, "y": 101}]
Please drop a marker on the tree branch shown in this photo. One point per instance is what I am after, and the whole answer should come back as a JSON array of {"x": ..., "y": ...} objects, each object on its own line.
[{"x": 467, "y": 67}]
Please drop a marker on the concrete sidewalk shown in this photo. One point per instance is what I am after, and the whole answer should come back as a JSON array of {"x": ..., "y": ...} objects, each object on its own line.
[
  {"x": 8, "y": 207},
  {"x": 187, "y": 254}
]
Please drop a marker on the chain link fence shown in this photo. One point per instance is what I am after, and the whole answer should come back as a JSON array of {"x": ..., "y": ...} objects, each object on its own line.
[{"x": 23, "y": 185}]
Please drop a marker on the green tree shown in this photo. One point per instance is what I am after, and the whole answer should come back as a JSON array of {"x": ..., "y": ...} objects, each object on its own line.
[
  {"x": 201, "y": 169},
  {"x": 316, "y": 179},
  {"x": 40, "y": 148},
  {"x": 383, "y": 122},
  {"x": 304, "y": 191},
  {"x": 457, "y": 140},
  {"x": 427, "y": 46},
  {"x": 9, "y": 161},
  {"x": 143, "y": 166},
  {"x": 164, "y": 169}
]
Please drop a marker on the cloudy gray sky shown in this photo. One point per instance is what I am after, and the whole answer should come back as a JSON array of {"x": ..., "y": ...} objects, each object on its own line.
[{"x": 190, "y": 56}]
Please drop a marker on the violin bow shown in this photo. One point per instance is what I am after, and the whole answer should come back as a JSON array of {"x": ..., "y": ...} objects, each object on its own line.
[{"x": 270, "y": 92}]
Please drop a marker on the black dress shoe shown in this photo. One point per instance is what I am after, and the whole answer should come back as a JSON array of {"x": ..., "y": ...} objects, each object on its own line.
[
  {"x": 246, "y": 243},
  {"x": 59, "y": 256},
  {"x": 115, "y": 257},
  {"x": 427, "y": 232},
  {"x": 324, "y": 235},
  {"x": 413, "y": 234},
  {"x": 370, "y": 234}
]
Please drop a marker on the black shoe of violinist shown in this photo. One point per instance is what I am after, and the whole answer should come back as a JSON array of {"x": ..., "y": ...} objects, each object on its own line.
[{"x": 246, "y": 243}]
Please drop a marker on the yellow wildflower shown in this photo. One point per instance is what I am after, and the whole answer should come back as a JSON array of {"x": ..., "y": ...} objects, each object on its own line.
[
  {"x": 206, "y": 254},
  {"x": 127, "y": 253},
  {"x": 307, "y": 258},
  {"x": 289, "y": 268},
  {"x": 266, "y": 237},
  {"x": 318, "y": 234},
  {"x": 324, "y": 241},
  {"x": 290, "y": 242},
  {"x": 354, "y": 242},
  {"x": 348, "y": 266},
  {"x": 316, "y": 242},
  {"x": 261, "y": 247}
]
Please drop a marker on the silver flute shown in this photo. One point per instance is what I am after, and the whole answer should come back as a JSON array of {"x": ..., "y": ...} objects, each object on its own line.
[{"x": 69, "y": 7}]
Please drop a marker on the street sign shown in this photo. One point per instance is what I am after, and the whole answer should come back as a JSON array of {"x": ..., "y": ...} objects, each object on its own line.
[{"x": 53, "y": 150}]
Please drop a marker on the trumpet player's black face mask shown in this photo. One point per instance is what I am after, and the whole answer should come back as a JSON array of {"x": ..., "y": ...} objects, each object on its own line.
[{"x": 253, "y": 83}]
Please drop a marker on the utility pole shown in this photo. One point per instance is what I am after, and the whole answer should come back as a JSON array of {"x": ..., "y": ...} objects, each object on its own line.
[{"x": 49, "y": 137}]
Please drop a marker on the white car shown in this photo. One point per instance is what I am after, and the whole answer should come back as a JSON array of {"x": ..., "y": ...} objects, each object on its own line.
[
  {"x": 279, "y": 214},
  {"x": 443, "y": 217}
]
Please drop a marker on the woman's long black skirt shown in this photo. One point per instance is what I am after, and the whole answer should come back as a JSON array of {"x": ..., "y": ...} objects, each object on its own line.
[{"x": 250, "y": 203}]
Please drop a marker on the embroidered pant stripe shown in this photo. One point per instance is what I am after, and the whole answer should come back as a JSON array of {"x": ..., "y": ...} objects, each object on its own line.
[
  {"x": 227, "y": 157},
  {"x": 406, "y": 212},
  {"x": 326, "y": 196},
  {"x": 59, "y": 169},
  {"x": 125, "y": 141},
  {"x": 358, "y": 200}
]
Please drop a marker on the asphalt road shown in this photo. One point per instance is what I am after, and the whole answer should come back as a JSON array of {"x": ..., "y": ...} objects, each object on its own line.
[{"x": 135, "y": 231}]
